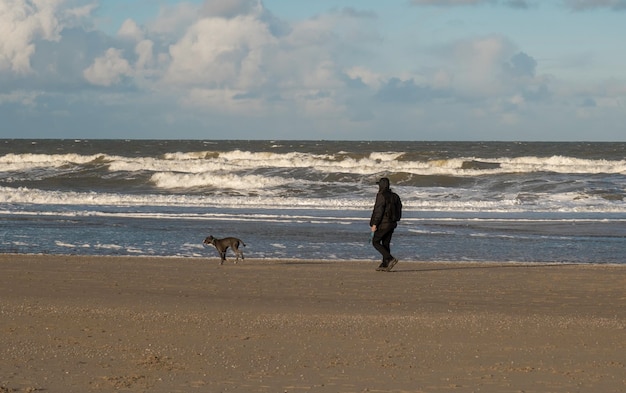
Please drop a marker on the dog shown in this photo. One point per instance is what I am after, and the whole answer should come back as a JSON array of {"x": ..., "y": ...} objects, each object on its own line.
[{"x": 222, "y": 245}]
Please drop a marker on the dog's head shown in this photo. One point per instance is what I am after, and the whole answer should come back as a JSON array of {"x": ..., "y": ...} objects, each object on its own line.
[{"x": 209, "y": 240}]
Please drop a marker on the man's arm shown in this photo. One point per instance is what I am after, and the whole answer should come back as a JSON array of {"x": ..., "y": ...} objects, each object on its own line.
[{"x": 378, "y": 212}]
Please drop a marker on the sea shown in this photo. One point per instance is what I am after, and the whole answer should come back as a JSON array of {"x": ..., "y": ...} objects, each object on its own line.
[{"x": 311, "y": 200}]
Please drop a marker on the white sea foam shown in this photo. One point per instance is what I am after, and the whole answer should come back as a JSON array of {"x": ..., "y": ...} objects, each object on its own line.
[
  {"x": 32, "y": 196},
  {"x": 172, "y": 180},
  {"x": 108, "y": 246},
  {"x": 413, "y": 200},
  {"x": 247, "y": 179},
  {"x": 68, "y": 245},
  {"x": 560, "y": 164},
  {"x": 22, "y": 244},
  {"x": 23, "y": 162},
  {"x": 238, "y": 161}
]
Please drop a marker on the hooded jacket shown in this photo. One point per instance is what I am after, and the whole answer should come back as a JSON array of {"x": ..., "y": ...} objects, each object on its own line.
[{"x": 378, "y": 214}]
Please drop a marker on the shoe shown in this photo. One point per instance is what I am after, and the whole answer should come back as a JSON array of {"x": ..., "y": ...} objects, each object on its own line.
[
  {"x": 392, "y": 263},
  {"x": 382, "y": 267}
]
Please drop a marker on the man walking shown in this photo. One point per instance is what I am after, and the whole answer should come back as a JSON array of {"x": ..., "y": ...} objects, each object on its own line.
[{"x": 386, "y": 213}]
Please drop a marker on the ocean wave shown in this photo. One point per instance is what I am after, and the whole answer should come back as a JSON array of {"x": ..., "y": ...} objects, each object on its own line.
[
  {"x": 413, "y": 200},
  {"x": 323, "y": 177},
  {"x": 27, "y": 196},
  {"x": 230, "y": 181},
  {"x": 371, "y": 163},
  {"x": 561, "y": 164},
  {"x": 27, "y": 161}
]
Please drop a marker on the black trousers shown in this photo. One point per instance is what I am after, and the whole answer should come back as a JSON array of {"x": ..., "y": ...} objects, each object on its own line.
[{"x": 382, "y": 240}]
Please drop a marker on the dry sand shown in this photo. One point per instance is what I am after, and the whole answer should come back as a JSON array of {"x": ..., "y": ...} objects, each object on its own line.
[{"x": 101, "y": 324}]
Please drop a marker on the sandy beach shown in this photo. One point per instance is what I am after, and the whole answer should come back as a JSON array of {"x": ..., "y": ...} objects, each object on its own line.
[{"x": 100, "y": 324}]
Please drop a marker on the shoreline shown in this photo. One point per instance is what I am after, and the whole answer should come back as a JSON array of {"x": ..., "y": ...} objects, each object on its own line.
[
  {"x": 167, "y": 324},
  {"x": 273, "y": 260}
]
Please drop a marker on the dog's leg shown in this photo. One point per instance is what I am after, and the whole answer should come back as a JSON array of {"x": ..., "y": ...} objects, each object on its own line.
[
  {"x": 225, "y": 251},
  {"x": 239, "y": 251},
  {"x": 236, "y": 251}
]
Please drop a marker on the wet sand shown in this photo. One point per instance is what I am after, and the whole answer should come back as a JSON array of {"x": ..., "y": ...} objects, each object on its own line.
[{"x": 101, "y": 324}]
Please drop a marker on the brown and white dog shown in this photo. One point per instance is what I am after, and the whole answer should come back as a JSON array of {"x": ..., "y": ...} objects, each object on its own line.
[{"x": 222, "y": 245}]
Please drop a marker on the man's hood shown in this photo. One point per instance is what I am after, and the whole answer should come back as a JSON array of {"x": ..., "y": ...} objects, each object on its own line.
[{"x": 383, "y": 184}]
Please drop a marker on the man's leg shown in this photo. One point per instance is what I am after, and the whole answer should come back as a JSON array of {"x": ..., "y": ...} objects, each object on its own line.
[
  {"x": 389, "y": 261},
  {"x": 386, "y": 242},
  {"x": 382, "y": 241}
]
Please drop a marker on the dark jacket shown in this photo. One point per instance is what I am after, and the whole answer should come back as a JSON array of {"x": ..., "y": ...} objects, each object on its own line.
[{"x": 379, "y": 218}]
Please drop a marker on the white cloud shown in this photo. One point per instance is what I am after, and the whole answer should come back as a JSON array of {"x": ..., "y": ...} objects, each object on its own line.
[
  {"x": 21, "y": 22},
  {"x": 520, "y": 4},
  {"x": 442, "y": 79},
  {"x": 233, "y": 64},
  {"x": 25, "y": 98},
  {"x": 449, "y": 2},
  {"x": 218, "y": 53},
  {"x": 130, "y": 30},
  {"x": 231, "y": 8},
  {"x": 370, "y": 78},
  {"x": 579, "y": 5},
  {"x": 144, "y": 52},
  {"x": 173, "y": 21},
  {"x": 517, "y": 100},
  {"x": 229, "y": 55},
  {"x": 109, "y": 69},
  {"x": 475, "y": 65},
  {"x": 241, "y": 56}
]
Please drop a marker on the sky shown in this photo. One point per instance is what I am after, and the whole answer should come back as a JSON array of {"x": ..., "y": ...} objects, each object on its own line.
[{"x": 505, "y": 70}]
